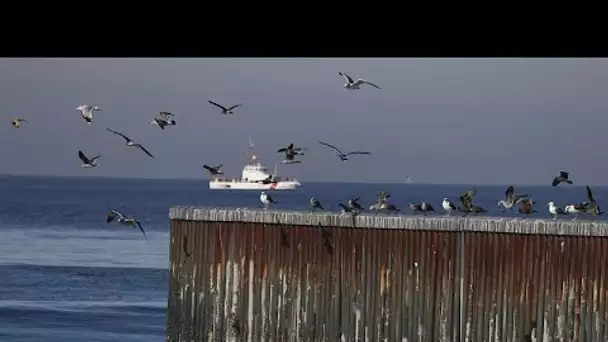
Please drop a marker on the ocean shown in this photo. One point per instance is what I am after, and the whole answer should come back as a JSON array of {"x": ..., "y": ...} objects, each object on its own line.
[{"x": 66, "y": 275}]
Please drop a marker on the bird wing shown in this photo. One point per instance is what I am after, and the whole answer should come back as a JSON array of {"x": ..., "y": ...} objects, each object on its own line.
[
  {"x": 113, "y": 214},
  {"x": 211, "y": 169},
  {"x": 166, "y": 114},
  {"x": 555, "y": 181},
  {"x": 217, "y": 105},
  {"x": 452, "y": 205},
  {"x": 509, "y": 193},
  {"x": 564, "y": 174},
  {"x": 330, "y": 146},
  {"x": 590, "y": 195},
  {"x": 344, "y": 206},
  {"x": 235, "y": 106},
  {"x": 118, "y": 133},
  {"x": 361, "y": 81},
  {"x": 83, "y": 157},
  {"x": 144, "y": 149},
  {"x": 218, "y": 167},
  {"x": 95, "y": 158},
  {"x": 348, "y": 78},
  {"x": 281, "y": 150},
  {"x": 141, "y": 228},
  {"x": 21, "y": 120},
  {"x": 356, "y": 152}
]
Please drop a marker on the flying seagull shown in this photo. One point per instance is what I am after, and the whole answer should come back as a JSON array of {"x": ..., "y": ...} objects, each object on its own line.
[
  {"x": 120, "y": 218},
  {"x": 131, "y": 142},
  {"x": 214, "y": 170},
  {"x": 266, "y": 199},
  {"x": 87, "y": 112},
  {"x": 343, "y": 156},
  {"x": 166, "y": 115},
  {"x": 226, "y": 111},
  {"x": 555, "y": 210},
  {"x": 163, "y": 122},
  {"x": 562, "y": 178},
  {"x": 448, "y": 206},
  {"x": 292, "y": 149},
  {"x": 510, "y": 199},
  {"x": 592, "y": 207},
  {"x": 86, "y": 162},
  {"x": 355, "y": 85},
  {"x": 17, "y": 122},
  {"x": 316, "y": 204},
  {"x": 290, "y": 157}
]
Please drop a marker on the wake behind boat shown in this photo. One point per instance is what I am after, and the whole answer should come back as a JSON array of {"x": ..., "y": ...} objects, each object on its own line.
[{"x": 255, "y": 176}]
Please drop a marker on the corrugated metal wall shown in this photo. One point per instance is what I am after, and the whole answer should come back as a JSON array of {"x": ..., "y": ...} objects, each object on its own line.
[{"x": 233, "y": 281}]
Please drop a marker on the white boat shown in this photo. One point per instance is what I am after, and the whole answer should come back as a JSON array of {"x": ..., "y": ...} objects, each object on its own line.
[{"x": 255, "y": 176}]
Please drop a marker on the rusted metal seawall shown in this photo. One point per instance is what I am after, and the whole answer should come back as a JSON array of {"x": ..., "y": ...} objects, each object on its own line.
[{"x": 254, "y": 275}]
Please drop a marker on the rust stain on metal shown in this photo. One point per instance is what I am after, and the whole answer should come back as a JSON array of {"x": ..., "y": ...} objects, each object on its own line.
[{"x": 270, "y": 281}]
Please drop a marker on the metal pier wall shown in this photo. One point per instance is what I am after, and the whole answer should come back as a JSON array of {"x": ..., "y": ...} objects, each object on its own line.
[{"x": 254, "y": 275}]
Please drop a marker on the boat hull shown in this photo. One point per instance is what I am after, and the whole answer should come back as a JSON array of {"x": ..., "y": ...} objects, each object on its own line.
[{"x": 282, "y": 185}]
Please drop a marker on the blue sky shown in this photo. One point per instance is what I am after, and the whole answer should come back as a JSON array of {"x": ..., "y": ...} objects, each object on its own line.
[{"x": 439, "y": 120}]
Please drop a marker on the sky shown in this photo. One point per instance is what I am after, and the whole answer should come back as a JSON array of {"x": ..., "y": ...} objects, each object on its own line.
[{"x": 436, "y": 120}]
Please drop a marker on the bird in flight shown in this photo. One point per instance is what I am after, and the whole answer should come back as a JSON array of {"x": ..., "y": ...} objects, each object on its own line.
[
  {"x": 341, "y": 155},
  {"x": 214, "y": 170},
  {"x": 510, "y": 199},
  {"x": 355, "y": 85},
  {"x": 226, "y": 110},
  {"x": 562, "y": 178},
  {"x": 17, "y": 122},
  {"x": 86, "y": 112},
  {"x": 164, "y": 120},
  {"x": 120, "y": 218},
  {"x": 86, "y": 162},
  {"x": 131, "y": 142}
]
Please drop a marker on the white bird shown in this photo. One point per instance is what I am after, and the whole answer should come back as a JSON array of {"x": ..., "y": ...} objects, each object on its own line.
[
  {"x": 127, "y": 221},
  {"x": 17, "y": 122},
  {"x": 511, "y": 199},
  {"x": 266, "y": 199},
  {"x": 448, "y": 206},
  {"x": 86, "y": 162},
  {"x": 162, "y": 123},
  {"x": 355, "y": 85},
  {"x": 87, "y": 112},
  {"x": 130, "y": 142},
  {"x": 555, "y": 210},
  {"x": 575, "y": 209}
]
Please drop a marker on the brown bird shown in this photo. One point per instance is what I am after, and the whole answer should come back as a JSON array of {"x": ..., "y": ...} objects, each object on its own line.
[
  {"x": 525, "y": 207},
  {"x": 17, "y": 122}
]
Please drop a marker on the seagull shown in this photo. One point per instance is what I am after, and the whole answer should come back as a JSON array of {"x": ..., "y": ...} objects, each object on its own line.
[
  {"x": 214, "y": 170},
  {"x": 510, "y": 199},
  {"x": 562, "y": 178},
  {"x": 87, "y": 112},
  {"x": 355, "y": 85},
  {"x": 131, "y": 142},
  {"x": 17, "y": 122},
  {"x": 86, "y": 162},
  {"x": 225, "y": 111},
  {"x": 575, "y": 209},
  {"x": 345, "y": 209},
  {"x": 162, "y": 123},
  {"x": 353, "y": 203},
  {"x": 343, "y": 156},
  {"x": 466, "y": 200},
  {"x": 415, "y": 207},
  {"x": 448, "y": 206},
  {"x": 291, "y": 147},
  {"x": 166, "y": 115},
  {"x": 316, "y": 204},
  {"x": 425, "y": 207},
  {"x": 554, "y": 210},
  {"x": 592, "y": 207},
  {"x": 266, "y": 199},
  {"x": 526, "y": 207},
  {"x": 120, "y": 218}
]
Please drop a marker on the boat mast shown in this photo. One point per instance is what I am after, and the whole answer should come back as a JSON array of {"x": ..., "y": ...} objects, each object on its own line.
[{"x": 250, "y": 153}]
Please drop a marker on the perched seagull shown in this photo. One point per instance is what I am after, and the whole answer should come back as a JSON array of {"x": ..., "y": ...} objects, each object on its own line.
[
  {"x": 86, "y": 162},
  {"x": 353, "y": 203},
  {"x": 343, "y": 156},
  {"x": 266, "y": 199},
  {"x": 448, "y": 206},
  {"x": 17, "y": 122},
  {"x": 592, "y": 207},
  {"x": 162, "y": 122},
  {"x": 120, "y": 218},
  {"x": 225, "y": 111},
  {"x": 466, "y": 200},
  {"x": 415, "y": 207},
  {"x": 425, "y": 207},
  {"x": 355, "y": 85},
  {"x": 131, "y": 142},
  {"x": 510, "y": 199},
  {"x": 345, "y": 209},
  {"x": 575, "y": 209},
  {"x": 562, "y": 178},
  {"x": 87, "y": 112},
  {"x": 555, "y": 210},
  {"x": 214, "y": 170},
  {"x": 525, "y": 207},
  {"x": 316, "y": 204}
]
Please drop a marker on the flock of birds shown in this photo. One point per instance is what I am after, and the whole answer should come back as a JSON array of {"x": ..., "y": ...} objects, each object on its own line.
[{"x": 466, "y": 206}]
